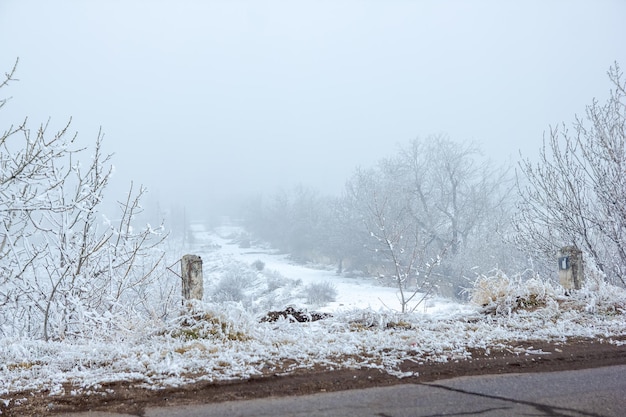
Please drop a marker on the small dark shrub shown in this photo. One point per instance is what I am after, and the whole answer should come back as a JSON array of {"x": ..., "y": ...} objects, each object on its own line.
[{"x": 259, "y": 265}]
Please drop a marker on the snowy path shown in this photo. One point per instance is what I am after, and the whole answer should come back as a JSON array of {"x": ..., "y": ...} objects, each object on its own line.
[{"x": 352, "y": 293}]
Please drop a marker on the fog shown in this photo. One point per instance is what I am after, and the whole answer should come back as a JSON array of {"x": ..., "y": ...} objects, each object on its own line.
[{"x": 206, "y": 101}]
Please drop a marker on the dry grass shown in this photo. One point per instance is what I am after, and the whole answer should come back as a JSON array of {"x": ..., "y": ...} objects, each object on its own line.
[
  {"x": 499, "y": 294},
  {"x": 197, "y": 323}
]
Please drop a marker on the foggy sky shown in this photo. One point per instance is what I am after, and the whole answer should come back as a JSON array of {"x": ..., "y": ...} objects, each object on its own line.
[{"x": 239, "y": 97}]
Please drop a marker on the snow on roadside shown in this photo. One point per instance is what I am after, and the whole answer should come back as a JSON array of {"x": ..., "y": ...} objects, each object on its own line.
[{"x": 222, "y": 342}]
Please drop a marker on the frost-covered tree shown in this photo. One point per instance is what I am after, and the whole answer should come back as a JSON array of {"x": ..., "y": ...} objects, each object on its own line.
[
  {"x": 64, "y": 269},
  {"x": 576, "y": 193},
  {"x": 443, "y": 196},
  {"x": 462, "y": 199},
  {"x": 398, "y": 246}
]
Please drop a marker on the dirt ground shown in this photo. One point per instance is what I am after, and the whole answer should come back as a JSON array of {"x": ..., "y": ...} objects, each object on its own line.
[{"x": 122, "y": 397}]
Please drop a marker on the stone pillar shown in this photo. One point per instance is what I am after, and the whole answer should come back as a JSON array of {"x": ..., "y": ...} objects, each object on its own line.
[
  {"x": 571, "y": 268},
  {"x": 191, "y": 273}
]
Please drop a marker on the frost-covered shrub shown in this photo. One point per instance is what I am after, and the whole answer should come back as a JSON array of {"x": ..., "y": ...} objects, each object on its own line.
[
  {"x": 275, "y": 280},
  {"x": 67, "y": 271},
  {"x": 320, "y": 293},
  {"x": 486, "y": 290},
  {"x": 259, "y": 265},
  {"x": 276, "y": 292},
  {"x": 198, "y": 321},
  {"x": 236, "y": 283},
  {"x": 499, "y": 294},
  {"x": 597, "y": 296},
  {"x": 368, "y": 319},
  {"x": 256, "y": 290}
]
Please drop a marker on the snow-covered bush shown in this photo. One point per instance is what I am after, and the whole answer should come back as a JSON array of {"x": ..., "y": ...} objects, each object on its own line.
[
  {"x": 275, "y": 280},
  {"x": 200, "y": 321},
  {"x": 597, "y": 295},
  {"x": 257, "y": 291},
  {"x": 65, "y": 270},
  {"x": 369, "y": 319},
  {"x": 237, "y": 283},
  {"x": 499, "y": 294},
  {"x": 258, "y": 264},
  {"x": 320, "y": 293}
]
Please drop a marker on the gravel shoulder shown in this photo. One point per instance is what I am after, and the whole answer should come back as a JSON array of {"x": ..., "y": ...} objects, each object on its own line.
[{"x": 123, "y": 397}]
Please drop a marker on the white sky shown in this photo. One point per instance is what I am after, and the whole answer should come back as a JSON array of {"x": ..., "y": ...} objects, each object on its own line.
[{"x": 242, "y": 96}]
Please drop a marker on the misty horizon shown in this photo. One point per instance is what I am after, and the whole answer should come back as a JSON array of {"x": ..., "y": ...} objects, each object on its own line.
[{"x": 205, "y": 102}]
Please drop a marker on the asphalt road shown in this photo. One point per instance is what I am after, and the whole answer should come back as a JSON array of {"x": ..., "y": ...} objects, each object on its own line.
[{"x": 589, "y": 392}]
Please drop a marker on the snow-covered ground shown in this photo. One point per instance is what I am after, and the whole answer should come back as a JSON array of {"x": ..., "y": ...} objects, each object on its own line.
[
  {"x": 227, "y": 340},
  {"x": 352, "y": 293}
]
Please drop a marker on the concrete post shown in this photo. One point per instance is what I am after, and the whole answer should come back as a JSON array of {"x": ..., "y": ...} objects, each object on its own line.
[
  {"x": 571, "y": 268},
  {"x": 191, "y": 272}
]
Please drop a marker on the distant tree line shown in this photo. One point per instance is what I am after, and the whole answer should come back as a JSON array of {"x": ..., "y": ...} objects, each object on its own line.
[
  {"x": 439, "y": 214},
  {"x": 435, "y": 214}
]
